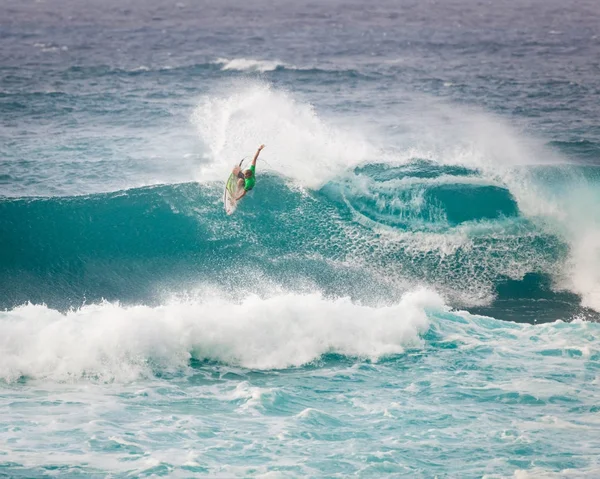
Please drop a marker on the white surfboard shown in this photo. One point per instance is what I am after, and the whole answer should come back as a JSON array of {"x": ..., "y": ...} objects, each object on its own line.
[{"x": 232, "y": 191}]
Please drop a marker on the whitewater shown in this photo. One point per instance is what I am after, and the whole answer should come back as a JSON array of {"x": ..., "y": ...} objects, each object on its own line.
[{"x": 412, "y": 289}]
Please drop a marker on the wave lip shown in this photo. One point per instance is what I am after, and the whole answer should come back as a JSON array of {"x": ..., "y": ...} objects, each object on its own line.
[{"x": 107, "y": 341}]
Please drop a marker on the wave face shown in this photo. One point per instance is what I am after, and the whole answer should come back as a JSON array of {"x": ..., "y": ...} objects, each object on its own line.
[{"x": 371, "y": 235}]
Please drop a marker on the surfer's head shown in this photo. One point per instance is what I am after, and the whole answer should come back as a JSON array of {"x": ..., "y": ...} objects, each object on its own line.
[{"x": 248, "y": 174}]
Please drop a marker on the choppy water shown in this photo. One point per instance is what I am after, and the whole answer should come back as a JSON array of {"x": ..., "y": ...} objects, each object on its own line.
[{"x": 411, "y": 290}]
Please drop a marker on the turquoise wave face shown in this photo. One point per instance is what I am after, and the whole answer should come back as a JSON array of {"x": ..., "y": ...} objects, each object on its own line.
[{"x": 370, "y": 235}]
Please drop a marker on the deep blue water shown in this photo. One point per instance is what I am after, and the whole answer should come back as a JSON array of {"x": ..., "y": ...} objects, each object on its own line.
[{"x": 411, "y": 290}]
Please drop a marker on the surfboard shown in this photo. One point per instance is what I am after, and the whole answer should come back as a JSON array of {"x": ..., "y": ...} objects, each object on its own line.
[{"x": 231, "y": 193}]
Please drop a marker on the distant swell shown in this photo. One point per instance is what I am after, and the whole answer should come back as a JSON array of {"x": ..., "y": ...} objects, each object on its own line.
[
  {"x": 244, "y": 64},
  {"x": 225, "y": 65}
]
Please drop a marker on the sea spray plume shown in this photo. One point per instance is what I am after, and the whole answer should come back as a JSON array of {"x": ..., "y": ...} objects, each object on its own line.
[
  {"x": 581, "y": 223},
  {"x": 307, "y": 149},
  {"x": 108, "y": 341}
]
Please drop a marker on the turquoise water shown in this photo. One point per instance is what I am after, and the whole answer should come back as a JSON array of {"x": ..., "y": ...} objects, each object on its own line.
[{"x": 411, "y": 290}]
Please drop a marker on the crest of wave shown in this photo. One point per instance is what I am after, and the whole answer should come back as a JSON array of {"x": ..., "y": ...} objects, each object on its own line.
[
  {"x": 300, "y": 144},
  {"x": 108, "y": 341}
]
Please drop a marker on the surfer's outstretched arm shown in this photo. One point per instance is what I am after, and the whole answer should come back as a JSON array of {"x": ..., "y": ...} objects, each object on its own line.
[
  {"x": 256, "y": 154},
  {"x": 241, "y": 196}
]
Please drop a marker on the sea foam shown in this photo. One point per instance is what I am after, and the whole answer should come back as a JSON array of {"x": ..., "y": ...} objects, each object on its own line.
[{"x": 109, "y": 341}]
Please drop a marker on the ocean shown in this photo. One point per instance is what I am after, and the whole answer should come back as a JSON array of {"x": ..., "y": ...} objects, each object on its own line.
[{"x": 412, "y": 289}]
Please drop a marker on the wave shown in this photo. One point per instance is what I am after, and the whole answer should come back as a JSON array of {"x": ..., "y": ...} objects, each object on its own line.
[
  {"x": 109, "y": 341},
  {"x": 50, "y": 47},
  {"x": 248, "y": 64},
  {"x": 353, "y": 237},
  {"x": 550, "y": 193},
  {"x": 112, "y": 342},
  {"x": 468, "y": 208},
  {"x": 224, "y": 65}
]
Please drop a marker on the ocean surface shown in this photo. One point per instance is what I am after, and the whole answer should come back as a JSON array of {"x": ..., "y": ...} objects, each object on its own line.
[{"x": 411, "y": 290}]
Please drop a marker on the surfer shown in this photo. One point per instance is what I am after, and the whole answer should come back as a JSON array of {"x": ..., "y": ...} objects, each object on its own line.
[{"x": 247, "y": 178}]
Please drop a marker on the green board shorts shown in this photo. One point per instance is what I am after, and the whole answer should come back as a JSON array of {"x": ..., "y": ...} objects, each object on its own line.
[{"x": 250, "y": 182}]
